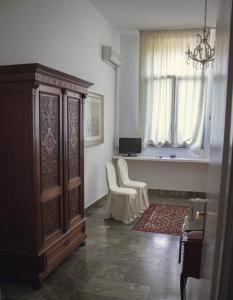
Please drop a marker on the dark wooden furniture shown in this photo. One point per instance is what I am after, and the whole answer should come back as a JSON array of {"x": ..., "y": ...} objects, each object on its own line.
[
  {"x": 192, "y": 247},
  {"x": 41, "y": 169}
]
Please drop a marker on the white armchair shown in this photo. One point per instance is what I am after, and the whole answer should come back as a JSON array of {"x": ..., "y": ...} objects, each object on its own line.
[
  {"x": 121, "y": 202},
  {"x": 141, "y": 187}
]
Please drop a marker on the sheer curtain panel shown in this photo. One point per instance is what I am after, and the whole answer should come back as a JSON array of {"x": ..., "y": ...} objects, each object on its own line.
[{"x": 172, "y": 93}]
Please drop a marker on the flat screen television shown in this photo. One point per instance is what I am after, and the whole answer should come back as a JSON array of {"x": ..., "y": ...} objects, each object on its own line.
[{"x": 130, "y": 146}]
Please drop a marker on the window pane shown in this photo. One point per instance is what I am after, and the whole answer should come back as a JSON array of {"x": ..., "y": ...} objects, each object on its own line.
[
  {"x": 189, "y": 98},
  {"x": 160, "y": 111}
]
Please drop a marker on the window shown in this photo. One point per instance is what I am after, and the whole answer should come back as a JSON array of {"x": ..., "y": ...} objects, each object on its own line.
[{"x": 172, "y": 93}]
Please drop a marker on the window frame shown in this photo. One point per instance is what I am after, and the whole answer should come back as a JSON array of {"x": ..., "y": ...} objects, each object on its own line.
[{"x": 174, "y": 114}]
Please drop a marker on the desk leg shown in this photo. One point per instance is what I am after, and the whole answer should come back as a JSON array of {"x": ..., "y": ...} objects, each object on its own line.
[{"x": 183, "y": 281}]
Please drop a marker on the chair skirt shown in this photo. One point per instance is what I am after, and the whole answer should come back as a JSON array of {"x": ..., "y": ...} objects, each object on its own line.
[
  {"x": 141, "y": 189},
  {"x": 122, "y": 207}
]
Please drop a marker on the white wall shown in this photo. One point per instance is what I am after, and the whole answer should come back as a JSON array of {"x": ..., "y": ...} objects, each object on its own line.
[
  {"x": 66, "y": 35},
  {"x": 129, "y": 89},
  {"x": 174, "y": 176}
]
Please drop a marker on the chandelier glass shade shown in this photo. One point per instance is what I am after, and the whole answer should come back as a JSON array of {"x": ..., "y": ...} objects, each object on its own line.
[{"x": 203, "y": 53}]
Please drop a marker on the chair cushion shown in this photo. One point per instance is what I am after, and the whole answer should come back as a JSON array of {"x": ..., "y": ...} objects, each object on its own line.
[
  {"x": 124, "y": 190},
  {"x": 136, "y": 184}
]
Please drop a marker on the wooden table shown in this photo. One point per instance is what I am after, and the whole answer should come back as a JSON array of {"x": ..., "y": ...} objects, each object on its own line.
[{"x": 191, "y": 243}]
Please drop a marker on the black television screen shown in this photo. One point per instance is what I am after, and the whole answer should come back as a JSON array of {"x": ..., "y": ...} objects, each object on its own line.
[{"x": 130, "y": 145}]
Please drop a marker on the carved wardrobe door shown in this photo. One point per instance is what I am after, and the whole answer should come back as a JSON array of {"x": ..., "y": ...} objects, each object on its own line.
[
  {"x": 74, "y": 157},
  {"x": 42, "y": 202},
  {"x": 50, "y": 160}
]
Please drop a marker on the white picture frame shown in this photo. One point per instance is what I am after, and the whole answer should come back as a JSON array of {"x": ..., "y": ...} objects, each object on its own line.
[{"x": 94, "y": 119}]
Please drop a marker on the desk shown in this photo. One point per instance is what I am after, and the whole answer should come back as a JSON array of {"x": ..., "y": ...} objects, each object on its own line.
[
  {"x": 176, "y": 174},
  {"x": 164, "y": 159}
]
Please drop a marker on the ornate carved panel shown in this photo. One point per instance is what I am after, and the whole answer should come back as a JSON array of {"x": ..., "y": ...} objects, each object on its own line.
[
  {"x": 73, "y": 136},
  {"x": 60, "y": 83},
  {"x": 49, "y": 138},
  {"x": 34, "y": 169},
  {"x": 74, "y": 203},
  {"x": 51, "y": 216}
]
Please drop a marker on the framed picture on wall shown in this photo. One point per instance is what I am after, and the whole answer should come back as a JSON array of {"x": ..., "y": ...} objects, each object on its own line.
[{"x": 94, "y": 119}]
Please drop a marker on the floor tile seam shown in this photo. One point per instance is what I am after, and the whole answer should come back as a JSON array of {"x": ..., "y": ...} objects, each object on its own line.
[
  {"x": 122, "y": 287},
  {"x": 129, "y": 260},
  {"x": 172, "y": 273}
]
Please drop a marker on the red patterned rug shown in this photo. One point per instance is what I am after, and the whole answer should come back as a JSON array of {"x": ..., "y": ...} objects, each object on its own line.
[{"x": 161, "y": 218}]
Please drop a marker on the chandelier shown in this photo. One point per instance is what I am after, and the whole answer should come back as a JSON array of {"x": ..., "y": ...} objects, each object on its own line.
[{"x": 202, "y": 54}]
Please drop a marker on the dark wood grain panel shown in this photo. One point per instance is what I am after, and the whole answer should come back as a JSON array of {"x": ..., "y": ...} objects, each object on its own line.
[
  {"x": 50, "y": 180},
  {"x": 63, "y": 246},
  {"x": 16, "y": 176},
  {"x": 74, "y": 203},
  {"x": 51, "y": 214},
  {"x": 73, "y": 136},
  {"x": 49, "y": 136},
  {"x": 41, "y": 169},
  {"x": 74, "y": 179}
]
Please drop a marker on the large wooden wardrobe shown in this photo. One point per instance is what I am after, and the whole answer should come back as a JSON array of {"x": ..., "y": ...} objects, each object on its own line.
[{"x": 41, "y": 169}]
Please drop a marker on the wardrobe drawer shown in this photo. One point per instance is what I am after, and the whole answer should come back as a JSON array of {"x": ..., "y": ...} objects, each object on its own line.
[{"x": 65, "y": 245}]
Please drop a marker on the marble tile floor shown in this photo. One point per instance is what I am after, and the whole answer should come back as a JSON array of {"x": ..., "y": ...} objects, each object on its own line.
[{"x": 116, "y": 263}]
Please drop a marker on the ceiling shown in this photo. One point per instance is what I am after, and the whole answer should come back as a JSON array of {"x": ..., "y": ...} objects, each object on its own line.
[{"x": 128, "y": 15}]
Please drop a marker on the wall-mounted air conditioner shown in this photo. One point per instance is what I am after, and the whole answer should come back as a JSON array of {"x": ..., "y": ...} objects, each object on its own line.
[{"x": 111, "y": 57}]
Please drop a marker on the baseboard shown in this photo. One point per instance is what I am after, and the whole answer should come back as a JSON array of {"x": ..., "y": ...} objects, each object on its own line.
[
  {"x": 154, "y": 193},
  {"x": 96, "y": 203},
  {"x": 176, "y": 194}
]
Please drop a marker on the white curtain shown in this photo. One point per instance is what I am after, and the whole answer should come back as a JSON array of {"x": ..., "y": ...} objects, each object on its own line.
[{"x": 172, "y": 93}]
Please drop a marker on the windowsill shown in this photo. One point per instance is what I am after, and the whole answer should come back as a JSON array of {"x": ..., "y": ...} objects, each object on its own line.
[
  {"x": 162, "y": 154},
  {"x": 165, "y": 159}
]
